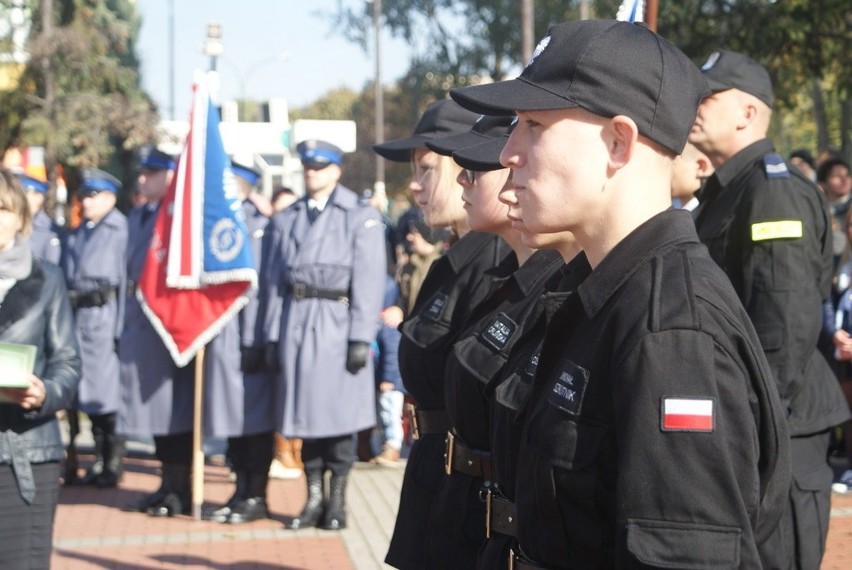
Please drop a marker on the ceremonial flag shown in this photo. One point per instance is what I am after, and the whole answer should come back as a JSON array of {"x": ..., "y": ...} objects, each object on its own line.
[
  {"x": 631, "y": 11},
  {"x": 199, "y": 265}
]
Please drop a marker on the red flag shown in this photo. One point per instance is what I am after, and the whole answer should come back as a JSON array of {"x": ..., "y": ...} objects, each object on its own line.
[{"x": 199, "y": 267}]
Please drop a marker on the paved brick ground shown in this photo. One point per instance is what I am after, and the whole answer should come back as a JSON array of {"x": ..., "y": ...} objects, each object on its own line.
[{"x": 93, "y": 533}]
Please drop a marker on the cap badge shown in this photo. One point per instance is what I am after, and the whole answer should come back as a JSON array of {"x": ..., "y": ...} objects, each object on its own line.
[
  {"x": 711, "y": 61},
  {"x": 538, "y": 49}
]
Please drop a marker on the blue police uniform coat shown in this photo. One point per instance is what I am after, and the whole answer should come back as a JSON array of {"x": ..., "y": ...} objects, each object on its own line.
[
  {"x": 236, "y": 403},
  {"x": 343, "y": 250},
  {"x": 156, "y": 395},
  {"x": 94, "y": 272},
  {"x": 46, "y": 238}
]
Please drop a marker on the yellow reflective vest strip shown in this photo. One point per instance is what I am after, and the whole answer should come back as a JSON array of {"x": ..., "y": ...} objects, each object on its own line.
[{"x": 783, "y": 229}]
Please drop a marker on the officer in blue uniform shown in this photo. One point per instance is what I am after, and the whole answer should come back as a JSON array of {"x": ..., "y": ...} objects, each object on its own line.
[
  {"x": 46, "y": 237},
  {"x": 769, "y": 229},
  {"x": 93, "y": 263},
  {"x": 237, "y": 387},
  {"x": 156, "y": 395},
  {"x": 325, "y": 290}
]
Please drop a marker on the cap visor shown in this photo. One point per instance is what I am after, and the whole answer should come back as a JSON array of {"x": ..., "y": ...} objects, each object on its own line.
[
  {"x": 506, "y": 97},
  {"x": 716, "y": 85},
  {"x": 483, "y": 157},
  {"x": 448, "y": 145},
  {"x": 399, "y": 150}
]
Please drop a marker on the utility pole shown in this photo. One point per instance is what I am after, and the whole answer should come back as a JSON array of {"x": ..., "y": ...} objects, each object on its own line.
[
  {"x": 379, "y": 186},
  {"x": 49, "y": 106},
  {"x": 527, "y": 31}
]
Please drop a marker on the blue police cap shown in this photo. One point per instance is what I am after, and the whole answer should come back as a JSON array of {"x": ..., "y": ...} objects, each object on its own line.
[
  {"x": 319, "y": 154},
  {"x": 94, "y": 180},
  {"x": 151, "y": 158},
  {"x": 31, "y": 183},
  {"x": 250, "y": 175}
]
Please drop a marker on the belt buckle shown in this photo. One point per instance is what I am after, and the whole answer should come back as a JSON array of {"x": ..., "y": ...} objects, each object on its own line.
[
  {"x": 299, "y": 290},
  {"x": 411, "y": 410},
  {"x": 448, "y": 455}
]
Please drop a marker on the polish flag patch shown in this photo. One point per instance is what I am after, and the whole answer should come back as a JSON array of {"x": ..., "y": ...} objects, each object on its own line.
[{"x": 687, "y": 414}]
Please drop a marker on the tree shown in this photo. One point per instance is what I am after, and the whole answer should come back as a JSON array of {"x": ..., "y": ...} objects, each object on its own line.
[
  {"x": 805, "y": 45},
  {"x": 80, "y": 94}
]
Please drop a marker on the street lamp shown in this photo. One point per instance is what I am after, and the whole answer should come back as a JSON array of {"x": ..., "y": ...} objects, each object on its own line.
[{"x": 213, "y": 45}]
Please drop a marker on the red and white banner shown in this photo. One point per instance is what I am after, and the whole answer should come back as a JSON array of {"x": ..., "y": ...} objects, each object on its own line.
[
  {"x": 684, "y": 414},
  {"x": 199, "y": 265}
]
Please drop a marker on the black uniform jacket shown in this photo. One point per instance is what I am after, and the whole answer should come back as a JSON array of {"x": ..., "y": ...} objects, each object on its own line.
[
  {"x": 769, "y": 229},
  {"x": 654, "y": 435},
  {"x": 454, "y": 286},
  {"x": 457, "y": 526},
  {"x": 36, "y": 311}
]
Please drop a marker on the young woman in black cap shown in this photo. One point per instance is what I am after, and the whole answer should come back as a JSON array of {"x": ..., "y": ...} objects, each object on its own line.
[
  {"x": 455, "y": 285},
  {"x": 458, "y": 519}
]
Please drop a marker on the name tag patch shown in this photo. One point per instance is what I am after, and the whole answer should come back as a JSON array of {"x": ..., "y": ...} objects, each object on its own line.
[
  {"x": 687, "y": 414},
  {"x": 436, "y": 306},
  {"x": 498, "y": 333},
  {"x": 783, "y": 229},
  {"x": 532, "y": 364},
  {"x": 569, "y": 388}
]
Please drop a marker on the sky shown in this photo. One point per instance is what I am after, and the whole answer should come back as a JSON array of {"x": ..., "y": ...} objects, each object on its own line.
[{"x": 272, "y": 48}]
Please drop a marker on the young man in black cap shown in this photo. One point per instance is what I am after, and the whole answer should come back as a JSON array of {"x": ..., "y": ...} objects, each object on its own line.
[
  {"x": 325, "y": 289},
  {"x": 633, "y": 455},
  {"x": 768, "y": 227}
]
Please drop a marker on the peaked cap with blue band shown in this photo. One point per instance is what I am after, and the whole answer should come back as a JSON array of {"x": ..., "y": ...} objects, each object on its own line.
[
  {"x": 93, "y": 179},
  {"x": 250, "y": 175},
  {"x": 313, "y": 152},
  {"x": 154, "y": 159},
  {"x": 31, "y": 183}
]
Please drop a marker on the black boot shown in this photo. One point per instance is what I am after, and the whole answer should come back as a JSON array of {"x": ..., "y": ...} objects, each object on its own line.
[
  {"x": 94, "y": 473},
  {"x": 69, "y": 477},
  {"x": 114, "y": 451},
  {"x": 177, "y": 500},
  {"x": 240, "y": 494},
  {"x": 253, "y": 507},
  {"x": 311, "y": 514},
  {"x": 335, "y": 513}
]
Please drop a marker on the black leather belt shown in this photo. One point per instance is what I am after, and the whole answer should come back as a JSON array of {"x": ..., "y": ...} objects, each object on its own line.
[
  {"x": 302, "y": 291},
  {"x": 425, "y": 422},
  {"x": 500, "y": 515},
  {"x": 463, "y": 459},
  {"x": 93, "y": 298},
  {"x": 517, "y": 562}
]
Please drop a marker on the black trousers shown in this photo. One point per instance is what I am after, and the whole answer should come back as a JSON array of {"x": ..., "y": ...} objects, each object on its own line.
[
  {"x": 26, "y": 531},
  {"x": 174, "y": 449},
  {"x": 336, "y": 454},
  {"x": 799, "y": 540}
]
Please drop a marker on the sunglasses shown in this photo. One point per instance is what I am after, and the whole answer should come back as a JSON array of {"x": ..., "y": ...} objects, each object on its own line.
[
  {"x": 315, "y": 165},
  {"x": 469, "y": 175}
]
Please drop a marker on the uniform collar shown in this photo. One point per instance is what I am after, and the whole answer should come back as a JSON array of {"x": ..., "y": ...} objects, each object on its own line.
[
  {"x": 728, "y": 171},
  {"x": 662, "y": 231},
  {"x": 467, "y": 248}
]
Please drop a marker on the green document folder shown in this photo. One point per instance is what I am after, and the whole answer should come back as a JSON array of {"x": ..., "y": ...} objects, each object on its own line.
[{"x": 16, "y": 364}]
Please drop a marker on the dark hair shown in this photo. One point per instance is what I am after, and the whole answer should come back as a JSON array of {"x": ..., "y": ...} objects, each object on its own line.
[
  {"x": 281, "y": 190},
  {"x": 827, "y": 166},
  {"x": 805, "y": 155},
  {"x": 13, "y": 197}
]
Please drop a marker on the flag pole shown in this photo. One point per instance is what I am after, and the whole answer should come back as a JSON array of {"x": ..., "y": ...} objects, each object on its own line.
[
  {"x": 197, "y": 449},
  {"x": 651, "y": 15}
]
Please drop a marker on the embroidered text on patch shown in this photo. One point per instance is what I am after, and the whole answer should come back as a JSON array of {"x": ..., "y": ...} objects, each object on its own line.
[
  {"x": 570, "y": 387},
  {"x": 687, "y": 414},
  {"x": 783, "y": 229}
]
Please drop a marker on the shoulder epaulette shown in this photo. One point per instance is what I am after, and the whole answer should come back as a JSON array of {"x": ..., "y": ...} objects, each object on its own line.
[{"x": 774, "y": 166}]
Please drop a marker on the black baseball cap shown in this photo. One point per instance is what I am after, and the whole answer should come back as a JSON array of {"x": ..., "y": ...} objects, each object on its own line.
[
  {"x": 608, "y": 68},
  {"x": 485, "y": 128},
  {"x": 732, "y": 70},
  {"x": 442, "y": 118},
  {"x": 484, "y": 156}
]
